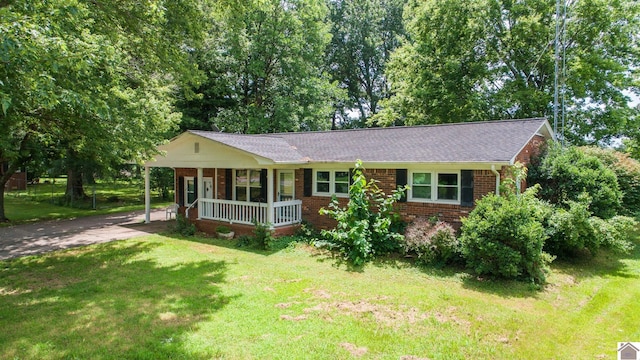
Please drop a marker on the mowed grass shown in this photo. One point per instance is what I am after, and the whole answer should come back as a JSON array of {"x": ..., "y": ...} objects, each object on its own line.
[
  {"x": 44, "y": 201},
  {"x": 164, "y": 297}
]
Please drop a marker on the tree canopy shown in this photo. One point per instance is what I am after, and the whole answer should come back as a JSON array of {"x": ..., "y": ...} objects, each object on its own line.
[
  {"x": 265, "y": 73},
  {"x": 92, "y": 80},
  {"x": 494, "y": 59}
]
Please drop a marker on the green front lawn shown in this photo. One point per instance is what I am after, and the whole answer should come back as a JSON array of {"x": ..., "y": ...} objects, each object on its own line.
[
  {"x": 164, "y": 297},
  {"x": 44, "y": 201}
]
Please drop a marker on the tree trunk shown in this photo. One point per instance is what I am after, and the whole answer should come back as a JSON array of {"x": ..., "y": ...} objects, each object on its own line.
[
  {"x": 3, "y": 218},
  {"x": 4, "y": 179},
  {"x": 75, "y": 188}
]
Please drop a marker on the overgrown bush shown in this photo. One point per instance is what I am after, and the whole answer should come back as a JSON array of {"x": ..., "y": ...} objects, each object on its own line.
[
  {"x": 365, "y": 227},
  {"x": 565, "y": 174},
  {"x": 183, "y": 226},
  {"x": 574, "y": 229},
  {"x": 627, "y": 171},
  {"x": 504, "y": 237},
  {"x": 432, "y": 242}
]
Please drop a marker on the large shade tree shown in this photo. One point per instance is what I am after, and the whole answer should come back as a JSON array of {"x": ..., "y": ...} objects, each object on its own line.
[
  {"x": 364, "y": 34},
  {"x": 94, "y": 80},
  {"x": 494, "y": 59},
  {"x": 264, "y": 67}
]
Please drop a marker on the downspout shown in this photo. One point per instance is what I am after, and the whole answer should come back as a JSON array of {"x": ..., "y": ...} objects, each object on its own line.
[{"x": 497, "y": 174}]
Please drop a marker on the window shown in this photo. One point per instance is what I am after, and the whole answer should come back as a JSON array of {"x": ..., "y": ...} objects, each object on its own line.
[
  {"x": 448, "y": 187},
  {"x": 445, "y": 188},
  {"x": 189, "y": 190},
  {"x": 247, "y": 185},
  {"x": 421, "y": 186},
  {"x": 328, "y": 182}
]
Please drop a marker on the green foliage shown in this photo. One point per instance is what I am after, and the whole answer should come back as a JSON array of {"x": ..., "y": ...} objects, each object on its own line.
[
  {"x": 432, "y": 242},
  {"x": 223, "y": 229},
  {"x": 262, "y": 235},
  {"x": 161, "y": 179},
  {"x": 627, "y": 172},
  {"x": 492, "y": 59},
  {"x": 504, "y": 237},
  {"x": 92, "y": 84},
  {"x": 364, "y": 33},
  {"x": 574, "y": 229},
  {"x": 264, "y": 66},
  {"x": 570, "y": 230},
  {"x": 364, "y": 228},
  {"x": 262, "y": 238},
  {"x": 566, "y": 173},
  {"x": 183, "y": 226}
]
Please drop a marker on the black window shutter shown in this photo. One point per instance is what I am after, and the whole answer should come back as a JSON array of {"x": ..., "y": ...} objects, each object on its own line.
[
  {"x": 195, "y": 189},
  {"x": 263, "y": 185},
  {"x": 401, "y": 180},
  {"x": 308, "y": 182},
  {"x": 228, "y": 184},
  {"x": 466, "y": 181},
  {"x": 181, "y": 190},
  {"x": 351, "y": 176}
]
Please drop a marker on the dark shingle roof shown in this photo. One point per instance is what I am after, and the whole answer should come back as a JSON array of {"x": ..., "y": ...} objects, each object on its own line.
[{"x": 491, "y": 141}]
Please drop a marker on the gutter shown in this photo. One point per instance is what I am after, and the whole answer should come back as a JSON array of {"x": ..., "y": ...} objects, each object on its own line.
[{"x": 497, "y": 174}]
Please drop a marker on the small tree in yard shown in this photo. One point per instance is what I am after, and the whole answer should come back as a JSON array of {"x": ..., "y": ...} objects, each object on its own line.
[{"x": 367, "y": 226}]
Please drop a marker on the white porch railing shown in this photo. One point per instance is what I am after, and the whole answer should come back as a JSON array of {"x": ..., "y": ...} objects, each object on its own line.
[{"x": 242, "y": 212}]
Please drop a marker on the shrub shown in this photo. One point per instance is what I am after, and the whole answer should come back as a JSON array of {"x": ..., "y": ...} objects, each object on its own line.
[
  {"x": 433, "y": 242},
  {"x": 366, "y": 226},
  {"x": 565, "y": 174},
  {"x": 183, "y": 226},
  {"x": 262, "y": 234},
  {"x": 504, "y": 236},
  {"x": 627, "y": 172},
  {"x": 614, "y": 233},
  {"x": 575, "y": 229},
  {"x": 570, "y": 230}
]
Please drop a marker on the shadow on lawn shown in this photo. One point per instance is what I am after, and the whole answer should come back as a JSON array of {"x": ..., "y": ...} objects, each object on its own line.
[{"x": 107, "y": 301}]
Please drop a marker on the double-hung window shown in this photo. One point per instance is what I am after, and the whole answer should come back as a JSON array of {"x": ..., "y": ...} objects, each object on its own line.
[
  {"x": 432, "y": 186},
  {"x": 329, "y": 182},
  {"x": 189, "y": 189},
  {"x": 247, "y": 185}
]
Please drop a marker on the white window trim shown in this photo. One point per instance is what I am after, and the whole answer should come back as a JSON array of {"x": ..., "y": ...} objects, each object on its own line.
[
  {"x": 247, "y": 187},
  {"x": 434, "y": 187},
  {"x": 186, "y": 189},
  {"x": 332, "y": 182}
]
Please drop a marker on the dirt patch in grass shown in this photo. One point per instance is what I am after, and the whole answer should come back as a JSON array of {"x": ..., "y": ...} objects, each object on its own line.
[
  {"x": 293, "y": 318},
  {"x": 382, "y": 314},
  {"x": 354, "y": 349},
  {"x": 318, "y": 293}
]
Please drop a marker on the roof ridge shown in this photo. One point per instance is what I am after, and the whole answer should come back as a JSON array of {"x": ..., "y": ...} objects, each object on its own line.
[
  {"x": 281, "y": 134},
  {"x": 408, "y": 127}
]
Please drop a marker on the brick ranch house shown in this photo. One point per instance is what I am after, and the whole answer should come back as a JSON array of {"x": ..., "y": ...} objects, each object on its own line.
[{"x": 282, "y": 179}]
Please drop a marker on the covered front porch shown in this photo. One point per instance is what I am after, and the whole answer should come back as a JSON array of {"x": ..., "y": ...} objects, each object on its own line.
[{"x": 216, "y": 183}]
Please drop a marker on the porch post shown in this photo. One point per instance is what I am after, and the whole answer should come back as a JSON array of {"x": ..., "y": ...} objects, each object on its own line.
[
  {"x": 270, "y": 213},
  {"x": 200, "y": 187},
  {"x": 147, "y": 195}
]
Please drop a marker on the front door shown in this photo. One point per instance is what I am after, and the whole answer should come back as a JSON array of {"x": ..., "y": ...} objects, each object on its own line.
[
  {"x": 286, "y": 185},
  {"x": 207, "y": 193},
  {"x": 208, "y": 188}
]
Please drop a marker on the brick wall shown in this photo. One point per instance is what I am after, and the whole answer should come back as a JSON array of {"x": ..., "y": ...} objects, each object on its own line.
[{"x": 484, "y": 183}]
